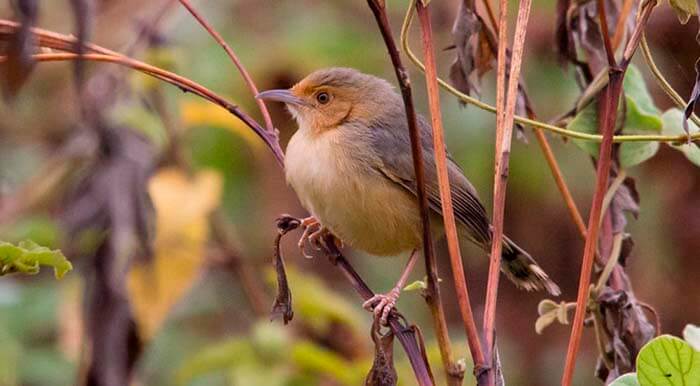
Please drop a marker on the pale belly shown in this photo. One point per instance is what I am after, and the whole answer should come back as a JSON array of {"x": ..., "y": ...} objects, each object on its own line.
[{"x": 360, "y": 206}]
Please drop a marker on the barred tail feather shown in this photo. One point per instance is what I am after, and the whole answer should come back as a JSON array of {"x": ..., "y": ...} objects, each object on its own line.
[{"x": 524, "y": 271}]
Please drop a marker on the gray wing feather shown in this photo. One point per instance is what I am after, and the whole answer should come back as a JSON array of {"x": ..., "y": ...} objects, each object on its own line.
[{"x": 392, "y": 145}]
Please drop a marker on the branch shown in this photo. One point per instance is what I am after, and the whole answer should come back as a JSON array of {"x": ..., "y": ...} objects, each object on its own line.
[
  {"x": 607, "y": 108},
  {"x": 446, "y": 195},
  {"x": 504, "y": 133},
  {"x": 532, "y": 122},
  {"x": 432, "y": 297},
  {"x": 241, "y": 69},
  {"x": 663, "y": 83},
  {"x": 406, "y": 334}
]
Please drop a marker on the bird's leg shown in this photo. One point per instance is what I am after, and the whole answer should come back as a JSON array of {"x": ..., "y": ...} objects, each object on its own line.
[
  {"x": 311, "y": 226},
  {"x": 382, "y": 304}
]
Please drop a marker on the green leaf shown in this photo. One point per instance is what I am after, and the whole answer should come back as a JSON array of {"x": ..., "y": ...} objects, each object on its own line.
[
  {"x": 684, "y": 9},
  {"x": 667, "y": 360},
  {"x": 417, "y": 285},
  {"x": 629, "y": 379},
  {"x": 586, "y": 121},
  {"x": 634, "y": 153},
  {"x": 691, "y": 334},
  {"x": 642, "y": 114},
  {"x": 673, "y": 125},
  {"x": 28, "y": 256}
]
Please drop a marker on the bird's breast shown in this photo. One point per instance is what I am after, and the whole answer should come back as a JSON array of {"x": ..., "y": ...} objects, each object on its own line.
[{"x": 333, "y": 177}]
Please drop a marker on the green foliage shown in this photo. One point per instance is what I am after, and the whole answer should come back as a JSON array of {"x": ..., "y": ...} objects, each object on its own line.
[
  {"x": 27, "y": 257},
  {"x": 640, "y": 116},
  {"x": 673, "y": 124},
  {"x": 626, "y": 380},
  {"x": 666, "y": 360}
]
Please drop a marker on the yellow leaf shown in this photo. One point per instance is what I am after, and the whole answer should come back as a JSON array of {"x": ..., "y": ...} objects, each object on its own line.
[
  {"x": 182, "y": 205},
  {"x": 203, "y": 113}
]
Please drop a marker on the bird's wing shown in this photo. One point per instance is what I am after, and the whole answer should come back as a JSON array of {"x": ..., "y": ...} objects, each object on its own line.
[{"x": 393, "y": 148}]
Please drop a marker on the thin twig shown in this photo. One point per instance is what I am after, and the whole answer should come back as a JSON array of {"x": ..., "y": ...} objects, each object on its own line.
[
  {"x": 463, "y": 299},
  {"x": 607, "y": 108},
  {"x": 504, "y": 134},
  {"x": 527, "y": 121},
  {"x": 174, "y": 79},
  {"x": 621, "y": 23},
  {"x": 241, "y": 69},
  {"x": 432, "y": 297},
  {"x": 663, "y": 83}
]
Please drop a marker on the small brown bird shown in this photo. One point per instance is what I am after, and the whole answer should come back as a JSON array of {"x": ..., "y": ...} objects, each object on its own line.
[{"x": 350, "y": 164}]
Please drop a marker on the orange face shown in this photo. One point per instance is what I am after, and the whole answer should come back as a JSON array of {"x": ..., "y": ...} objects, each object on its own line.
[{"x": 325, "y": 99}]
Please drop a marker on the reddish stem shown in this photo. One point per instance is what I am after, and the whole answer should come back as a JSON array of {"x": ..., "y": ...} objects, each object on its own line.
[
  {"x": 445, "y": 193},
  {"x": 241, "y": 69}
]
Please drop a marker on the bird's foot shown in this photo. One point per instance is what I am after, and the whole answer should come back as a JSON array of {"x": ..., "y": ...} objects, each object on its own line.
[
  {"x": 313, "y": 231},
  {"x": 382, "y": 304}
]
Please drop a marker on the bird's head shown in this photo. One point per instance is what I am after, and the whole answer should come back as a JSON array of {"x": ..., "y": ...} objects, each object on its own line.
[{"x": 329, "y": 98}]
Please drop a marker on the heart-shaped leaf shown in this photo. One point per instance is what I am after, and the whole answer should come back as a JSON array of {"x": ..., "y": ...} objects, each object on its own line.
[{"x": 667, "y": 360}]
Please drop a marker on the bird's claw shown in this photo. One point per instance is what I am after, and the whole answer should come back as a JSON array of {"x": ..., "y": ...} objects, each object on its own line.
[
  {"x": 313, "y": 231},
  {"x": 382, "y": 305}
]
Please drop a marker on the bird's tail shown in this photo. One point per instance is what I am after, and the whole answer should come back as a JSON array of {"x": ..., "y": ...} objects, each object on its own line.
[{"x": 523, "y": 270}]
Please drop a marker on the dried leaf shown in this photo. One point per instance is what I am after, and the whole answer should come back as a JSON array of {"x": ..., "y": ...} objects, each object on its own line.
[
  {"x": 626, "y": 323},
  {"x": 382, "y": 372},
  {"x": 626, "y": 200},
  {"x": 283, "y": 300},
  {"x": 183, "y": 205},
  {"x": 474, "y": 55},
  {"x": 15, "y": 71}
]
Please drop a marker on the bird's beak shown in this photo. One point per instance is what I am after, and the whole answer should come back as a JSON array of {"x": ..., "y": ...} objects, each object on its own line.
[{"x": 284, "y": 96}]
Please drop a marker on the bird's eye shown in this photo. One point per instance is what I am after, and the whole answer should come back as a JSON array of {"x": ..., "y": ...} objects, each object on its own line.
[{"x": 323, "y": 97}]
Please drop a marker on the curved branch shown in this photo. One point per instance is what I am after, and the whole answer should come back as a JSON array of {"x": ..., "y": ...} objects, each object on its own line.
[
  {"x": 531, "y": 122},
  {"x": 176, "y": 80},
  {"x": 229, "y": 51}
]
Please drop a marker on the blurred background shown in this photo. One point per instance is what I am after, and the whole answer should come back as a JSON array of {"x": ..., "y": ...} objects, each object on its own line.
[{"x": 194, "y": 309}]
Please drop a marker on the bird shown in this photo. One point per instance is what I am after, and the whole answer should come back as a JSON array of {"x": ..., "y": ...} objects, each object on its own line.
[{"x": 350, "y": 164}]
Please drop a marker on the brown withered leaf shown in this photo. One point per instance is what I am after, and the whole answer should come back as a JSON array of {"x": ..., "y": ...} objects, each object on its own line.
[
  {"x": 283, "y": 301},
  {"x": 474, "y": 49},
  {"x": 15, "y": 71},
  {"x": 626, "y": 200},
  {"x": 382, "y": 372},
  {"x": 577, "y": 28},
  {"x": 627, "y": 325}
]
